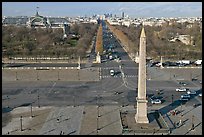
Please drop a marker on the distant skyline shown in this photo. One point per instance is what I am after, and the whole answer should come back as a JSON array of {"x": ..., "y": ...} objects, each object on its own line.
[{"x": 132, "y": 9}]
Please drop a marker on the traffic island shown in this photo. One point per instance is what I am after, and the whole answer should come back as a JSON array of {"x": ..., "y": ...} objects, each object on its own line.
[{"x": 156, "y": 125}]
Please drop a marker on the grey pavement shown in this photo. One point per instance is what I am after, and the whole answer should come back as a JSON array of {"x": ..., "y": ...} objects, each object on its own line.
[
  {"x": 108, "y": 122},
  {"x": 64, "y": 120},
  {"x": 186, "y": 117}
]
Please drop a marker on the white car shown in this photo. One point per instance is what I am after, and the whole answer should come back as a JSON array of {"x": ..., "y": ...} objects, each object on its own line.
[
  {"x": 200, "y": 95},
  {"x": 156, "y": 101},
  {"x": 185, "y": 96},
  {"x": 181, "y": 89},
  {"x": 191, "y": 92},
  {"x": 112, "y": 72}
]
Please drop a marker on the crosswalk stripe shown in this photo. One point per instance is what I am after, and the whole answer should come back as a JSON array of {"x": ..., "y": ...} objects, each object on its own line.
[
  {"x": 108, "y": 76},
  {"x": 118, "y": 67}
]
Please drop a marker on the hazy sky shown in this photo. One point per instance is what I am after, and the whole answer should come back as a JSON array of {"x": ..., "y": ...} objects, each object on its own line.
[{"x": 133, "y": 9}]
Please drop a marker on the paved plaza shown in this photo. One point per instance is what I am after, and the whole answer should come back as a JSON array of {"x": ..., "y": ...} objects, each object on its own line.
[{"x": 85, "y": 120}]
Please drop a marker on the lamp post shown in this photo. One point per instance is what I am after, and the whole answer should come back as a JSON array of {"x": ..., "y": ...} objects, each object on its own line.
[
  {"x": 58, "y": 76},
  {"x": 31, "y": 111},
  {"x": 16, "y": 76},
  {"x": 37, "y": 76},
  {"x": 74, "y": 100},
  {"x": 38, "y": 100},
  {"x": 192, "y": 126},
  {"x": 78, "y": 75},
  {"x": 21, "y": 122},
  {"x": 8, "y": 100},
  {"x": 98, "y": 114},
  {"x": 172, "y": 99}
]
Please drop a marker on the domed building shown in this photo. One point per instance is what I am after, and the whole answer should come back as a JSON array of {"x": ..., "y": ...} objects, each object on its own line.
[{"x": 38, "y": 21}]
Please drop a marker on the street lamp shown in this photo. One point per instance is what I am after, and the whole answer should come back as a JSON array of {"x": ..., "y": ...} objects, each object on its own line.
[
  {"x": 8, "y": 101},
  {"x": 192, "y": 127},
  {"x": 78, "y": 75},
  {"x": 181, "y": 109},
  {"x": 16, "y": 76},
  {"x": 98, "y": 114},
  {"x": 31, "y": 111},
  {"x": 172, "y": 99},
  {"x": 38, "y": 100},
  {"x": 58, "y": 76},
  {"x": 37, "y": 76},
  {"x": 21, "y": 121},
  {"x": 74, "y": 100}
]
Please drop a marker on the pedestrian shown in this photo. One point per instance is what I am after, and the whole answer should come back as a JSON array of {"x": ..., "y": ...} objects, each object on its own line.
[{"x": 180, "y": 122}]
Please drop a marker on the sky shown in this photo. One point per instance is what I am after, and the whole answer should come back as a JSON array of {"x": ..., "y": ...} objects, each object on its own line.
[{"x": 132, "y": 9}]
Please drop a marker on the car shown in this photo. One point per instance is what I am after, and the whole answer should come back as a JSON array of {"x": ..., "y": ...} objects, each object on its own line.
[
  {"x": 191, "y": 92},
  {"x": 185, "y": 96},
  {"x": 159, "y": 92},
  {"x": 156, "y": 101},
  {"x": 117, "y": 93},
  {"x": 156, "y": 97},
  {"x": 183, "y": 83},
  {"x": 184, "y": 99},
  {"x": 181, "y": 89},
  {"x": 112, "y": 72},
  {"x": 200, "y": 95},
  {"x": 110, "y": 57},
  {"x": 194, "y": 79}
]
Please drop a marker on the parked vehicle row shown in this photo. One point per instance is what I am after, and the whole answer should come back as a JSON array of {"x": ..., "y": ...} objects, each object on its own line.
[
  {"x": 182, "y": 89},
  {"x": 187, "y": 96}
]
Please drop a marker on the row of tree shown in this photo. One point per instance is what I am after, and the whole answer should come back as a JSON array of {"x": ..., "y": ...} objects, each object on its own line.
[
  {"x": 123, "y": 37},
  {"x": 158, "y": 37},
  {"x": 99, "y": 41}
]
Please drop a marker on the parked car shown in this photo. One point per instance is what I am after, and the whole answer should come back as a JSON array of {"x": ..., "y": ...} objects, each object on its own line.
[
  {"x": 117, "y": 93},
  {"x": 181, "y": 89},
  {"x": 184, "y": 99},
  {"x": 185, "y": 96},
  {"x": 156, "y": 101},
  {"x": 194, "y": 79},
  {"x": 183, "y": 83},
  {"x": 191, "y": 92},
  {"x": 156, "y": 97},
  {"x": 200, "y": 95}
]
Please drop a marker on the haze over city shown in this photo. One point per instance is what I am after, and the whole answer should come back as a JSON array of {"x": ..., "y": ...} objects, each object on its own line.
[{"x": 132, "y": 9}]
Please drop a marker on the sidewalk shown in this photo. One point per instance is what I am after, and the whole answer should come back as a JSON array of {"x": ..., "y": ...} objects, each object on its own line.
[{"x": 185, "y": 116}]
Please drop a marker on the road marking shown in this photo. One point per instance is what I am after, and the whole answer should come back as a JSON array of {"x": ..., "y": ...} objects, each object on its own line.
[
  {"x": 118, "y": 67},
  {"x": 52, "y": 87},
  {"x": 128, "y": 76},
  {"x": 194, "y": 84}
]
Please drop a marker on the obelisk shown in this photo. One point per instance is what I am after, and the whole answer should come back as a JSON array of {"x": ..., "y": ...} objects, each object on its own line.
[{"x": 141, "y": 115}]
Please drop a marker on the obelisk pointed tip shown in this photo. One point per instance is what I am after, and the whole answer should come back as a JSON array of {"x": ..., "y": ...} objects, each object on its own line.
[{"x": 142, "y": 32}]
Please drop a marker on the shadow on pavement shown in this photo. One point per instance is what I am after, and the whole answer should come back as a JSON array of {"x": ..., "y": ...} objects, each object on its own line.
[{"x": 177, "y": 103}]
